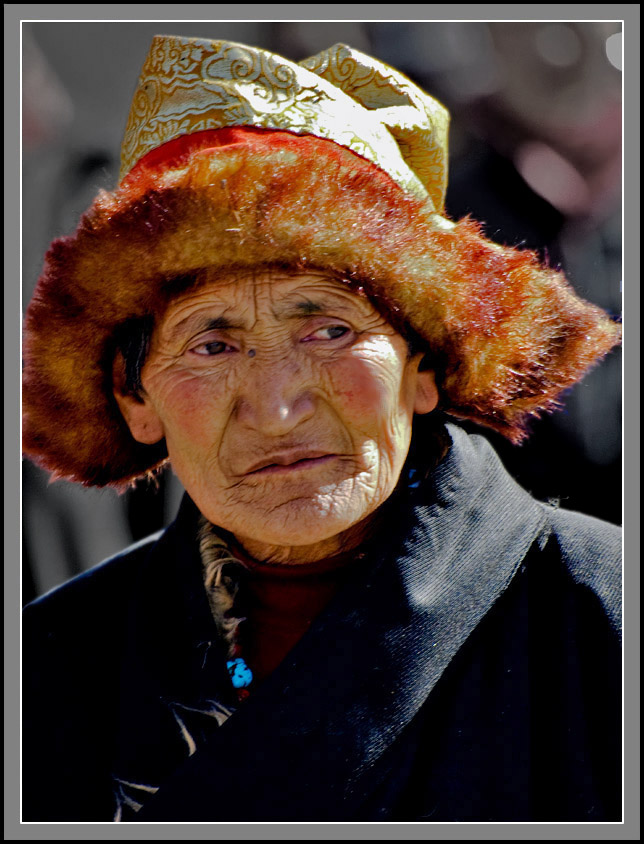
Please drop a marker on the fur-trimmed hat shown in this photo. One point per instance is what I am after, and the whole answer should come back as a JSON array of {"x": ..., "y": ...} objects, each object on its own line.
[{"x": 235, "y": 158}]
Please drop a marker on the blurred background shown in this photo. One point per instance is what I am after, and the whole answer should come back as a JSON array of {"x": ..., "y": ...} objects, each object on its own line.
[{"x": 535, "y": 154}]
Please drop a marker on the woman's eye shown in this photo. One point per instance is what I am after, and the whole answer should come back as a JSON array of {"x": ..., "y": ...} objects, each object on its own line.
[
  {"x": 213, "y": 347},
  {"x": 329, "y": 332}
]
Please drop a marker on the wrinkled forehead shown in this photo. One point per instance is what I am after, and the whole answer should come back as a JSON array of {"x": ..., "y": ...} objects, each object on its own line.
[{"x": 243, "y": 295}]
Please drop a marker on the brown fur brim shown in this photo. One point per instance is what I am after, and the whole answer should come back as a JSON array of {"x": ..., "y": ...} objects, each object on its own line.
[{"x": 506, "y": 335}]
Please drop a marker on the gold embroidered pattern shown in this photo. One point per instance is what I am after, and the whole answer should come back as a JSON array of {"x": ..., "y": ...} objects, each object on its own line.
[
  {"x": 418, "y": 122},
  {"x": 189, "y": 84}
]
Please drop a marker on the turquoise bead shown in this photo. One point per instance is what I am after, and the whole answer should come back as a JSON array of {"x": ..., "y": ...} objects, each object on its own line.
[{"x": 240, "y": 674}]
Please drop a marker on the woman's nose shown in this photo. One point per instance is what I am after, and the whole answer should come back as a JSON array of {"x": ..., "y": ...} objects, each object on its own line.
[{"x": 276, "y": 396}]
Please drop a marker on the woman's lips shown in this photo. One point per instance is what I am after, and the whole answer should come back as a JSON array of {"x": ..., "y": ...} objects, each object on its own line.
[{"x": 293, "y": 465}]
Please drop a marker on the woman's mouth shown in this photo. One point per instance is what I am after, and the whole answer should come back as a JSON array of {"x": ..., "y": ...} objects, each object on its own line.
[{"x": 291, "y": 467}]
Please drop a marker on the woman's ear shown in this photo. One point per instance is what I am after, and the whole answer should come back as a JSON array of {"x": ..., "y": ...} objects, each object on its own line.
[
  {"x": 137, "y": 409},
  {"x": 426, "y": 392}
]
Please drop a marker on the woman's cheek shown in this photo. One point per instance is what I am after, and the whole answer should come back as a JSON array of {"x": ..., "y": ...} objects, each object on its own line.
[
  {"x": 192, "y": 407},
  {"x": 365, "y": 387}
]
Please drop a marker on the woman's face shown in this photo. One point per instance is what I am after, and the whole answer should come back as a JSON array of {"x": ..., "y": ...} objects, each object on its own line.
[{"x": 286, "y": 403}]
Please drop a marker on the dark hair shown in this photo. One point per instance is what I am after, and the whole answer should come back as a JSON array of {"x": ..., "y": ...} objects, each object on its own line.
[{"x": 133, "y": 341}]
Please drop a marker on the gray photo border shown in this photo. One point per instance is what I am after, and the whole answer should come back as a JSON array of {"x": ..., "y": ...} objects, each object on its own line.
[{"x": 13, "y": 14}]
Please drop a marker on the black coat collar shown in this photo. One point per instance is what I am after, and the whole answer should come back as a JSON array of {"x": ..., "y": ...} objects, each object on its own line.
[{"x": 299, "y": 748}]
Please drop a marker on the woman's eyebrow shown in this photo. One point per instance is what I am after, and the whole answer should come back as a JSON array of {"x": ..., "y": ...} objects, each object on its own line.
[
  {"x": 308, "y": 307},
  {"x": 201, "y": 323},
  {"x": 220, "y": 322}
]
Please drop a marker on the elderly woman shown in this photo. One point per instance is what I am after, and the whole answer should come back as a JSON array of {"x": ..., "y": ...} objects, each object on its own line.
[{"x": 357, "y": 614}]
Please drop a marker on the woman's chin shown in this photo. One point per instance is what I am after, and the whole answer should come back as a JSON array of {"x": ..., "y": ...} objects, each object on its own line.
[
  {"x": 318, "y": 519},
  {"x": 301, "y": 532}
]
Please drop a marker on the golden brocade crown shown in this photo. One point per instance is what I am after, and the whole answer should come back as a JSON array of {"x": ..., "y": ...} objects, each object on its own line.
[{"x": 189, "y": 85}]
